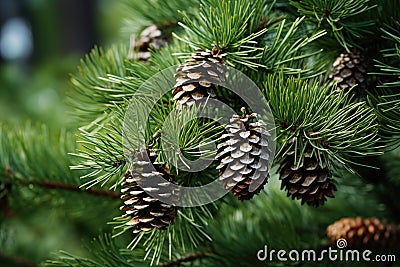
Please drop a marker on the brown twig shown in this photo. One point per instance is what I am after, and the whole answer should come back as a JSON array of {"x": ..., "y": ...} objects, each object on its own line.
[
  {"x": 272, "y": 22},
  {"x": 265, "y": 25},
  {"x": 188, "y": 258},
  {"x": 73, "y": 188}
]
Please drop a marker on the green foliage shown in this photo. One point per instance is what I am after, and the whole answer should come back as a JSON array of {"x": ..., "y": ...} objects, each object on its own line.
[
  {"x": 338, "y": 18},
  {"x": 105, "y": 253},
  {"x": 319, "y": 115},
  {"x": 102, "y": 155},
  {"x": 387, "y": 104},
  {"x": 186, "y": 234},
  {"x": 286, "y": 52},
  {"x": 91, "y": 77},
  {"x": 225, "y": 25},
  {"x": 387, "y": 14},
  {"x": 253, "y": 37},
  {"x": 251, "y": 223},
  {"x": 24, "y": 147},
  {"x": 141, "y": 13},
  {"x": 258, "y": 39},
  {"x": 284, "y": 49}
]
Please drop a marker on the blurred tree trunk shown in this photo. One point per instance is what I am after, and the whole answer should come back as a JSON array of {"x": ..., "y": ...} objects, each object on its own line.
[{"x": 77, "y": 25}]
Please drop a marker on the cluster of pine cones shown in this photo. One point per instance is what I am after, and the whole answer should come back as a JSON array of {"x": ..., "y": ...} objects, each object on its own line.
[{"x": 243, "y": 152}]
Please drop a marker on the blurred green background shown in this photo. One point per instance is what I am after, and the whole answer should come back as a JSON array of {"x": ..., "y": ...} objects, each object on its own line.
[{"x": 41, "y": 43}]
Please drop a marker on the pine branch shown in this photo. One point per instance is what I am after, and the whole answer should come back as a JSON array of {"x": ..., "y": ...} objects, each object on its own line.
[
  {"x": 307, "y": 111},
  {"x": 33, "y": 151},
  {"x": 68, "y": 187},
  {"x": 94, "y": 96},
  {"x": 286, "y": 49},
  {"x": 339, "y": 18},
  {"x": 101, "y": 154},
  {"x": 187, "y": 258},
  {"x": 142, "y": 13},
  {"x": 322, "y": 117},
  {"x": 387, "y": 103},
  {"x": 104, "y": 253},
  {"x": 228, "y": 26}
]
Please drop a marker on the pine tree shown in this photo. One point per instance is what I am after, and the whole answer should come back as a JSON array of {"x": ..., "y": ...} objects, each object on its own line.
[{"x": 329, "y": 73}]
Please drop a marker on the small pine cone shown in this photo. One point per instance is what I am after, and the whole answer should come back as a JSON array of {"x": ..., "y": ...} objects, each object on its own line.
[
  {"x": 244, "y": 156},
  {"x": 146, "y": 211},
  {"x": 195, "y": 77},
  {"x": 363, "y": 233},
  {"x": 151, "y": 36},
  {"x": 308, "y": 180},
  {"x": 350, "y": 69}
]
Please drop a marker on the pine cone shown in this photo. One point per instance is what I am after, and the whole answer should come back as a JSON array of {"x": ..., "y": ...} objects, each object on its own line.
[
  {"x": 244, "y": 156},
  {"x": 350, "y": 69},
  {"x": 146, "y": 212},
  {"x": 195, "y": 77},
  {"x": 363, "y": 233},
  {"x": 149, "y": 37},
  {"x": 308, "y": 180}
]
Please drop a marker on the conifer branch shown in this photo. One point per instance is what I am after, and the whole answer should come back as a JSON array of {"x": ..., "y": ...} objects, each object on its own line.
[
  {"x": 72, "y": 188},
  {"x": 315, "y": 122},
  {"x": 266, "y": 25}
]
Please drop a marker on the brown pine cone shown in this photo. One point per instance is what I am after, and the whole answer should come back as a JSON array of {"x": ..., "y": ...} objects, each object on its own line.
[
  {"x": 308, "y": 180},
  {"x": 195, "y": 77},
  {"x": 365, "y": 233},
  {"x": 244, "y": 156},
  {"x": 350, "y": 69},
  {"x": 145, "y": 211}
]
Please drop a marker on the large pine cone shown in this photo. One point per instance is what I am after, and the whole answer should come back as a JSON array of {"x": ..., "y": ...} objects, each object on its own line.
[
  {"x": 196, "y": 77},
  {"x": 363, "y": 233},
  {"x": 308, "y": 180},
  {"x": 147, "y": 212},
  {"x": 244, "y": 157},
  {"x": 350, "y": 69}
]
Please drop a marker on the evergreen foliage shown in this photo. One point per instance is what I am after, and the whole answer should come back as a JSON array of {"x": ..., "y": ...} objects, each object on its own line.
[{"x": 285, "y": 47}]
